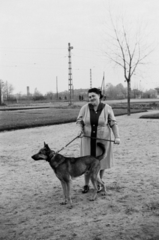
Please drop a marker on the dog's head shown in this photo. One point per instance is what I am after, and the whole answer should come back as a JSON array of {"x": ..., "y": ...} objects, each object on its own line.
[{"x": 43, "y": 154}]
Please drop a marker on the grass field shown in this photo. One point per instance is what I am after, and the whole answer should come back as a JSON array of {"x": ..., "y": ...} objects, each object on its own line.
[
  {"x": 152, "y": 116},
  {"x": 28, "y": 118},
  {"x": 20, "y": 119}
]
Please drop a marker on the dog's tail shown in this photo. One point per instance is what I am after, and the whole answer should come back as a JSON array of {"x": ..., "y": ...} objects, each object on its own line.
[{"x": 101, "y": 145}]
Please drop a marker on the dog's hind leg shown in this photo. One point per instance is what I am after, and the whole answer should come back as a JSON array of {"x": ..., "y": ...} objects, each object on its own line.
[{"x": 103, "y": 186}]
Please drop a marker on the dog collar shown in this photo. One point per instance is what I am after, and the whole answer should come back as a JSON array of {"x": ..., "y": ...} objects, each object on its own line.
[{"x": 51, "y": 155}]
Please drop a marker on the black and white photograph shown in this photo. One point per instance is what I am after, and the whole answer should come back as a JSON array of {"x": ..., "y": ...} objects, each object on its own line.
[{"x": 79, "y": 120}]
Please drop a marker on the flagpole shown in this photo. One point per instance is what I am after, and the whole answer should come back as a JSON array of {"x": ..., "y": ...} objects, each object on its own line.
[
  {"x": 103, "y": 88},
  {"x": 103, "y": 83}
]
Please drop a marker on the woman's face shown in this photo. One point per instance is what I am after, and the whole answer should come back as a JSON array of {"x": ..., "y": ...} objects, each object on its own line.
[{"x": 94, "y": 98}]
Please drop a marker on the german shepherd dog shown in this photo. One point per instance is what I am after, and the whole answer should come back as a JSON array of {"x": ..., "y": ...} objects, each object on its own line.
[{"x": 66, "y": 168}]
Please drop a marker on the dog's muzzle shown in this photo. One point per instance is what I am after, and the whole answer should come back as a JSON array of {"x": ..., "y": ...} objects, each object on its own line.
[{"x": 35, "y": 157}]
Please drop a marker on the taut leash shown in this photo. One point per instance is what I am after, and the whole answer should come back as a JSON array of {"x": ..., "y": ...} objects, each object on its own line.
[
  {"x": 107, "y": 140},
  {"x": 68, "y": 143}
]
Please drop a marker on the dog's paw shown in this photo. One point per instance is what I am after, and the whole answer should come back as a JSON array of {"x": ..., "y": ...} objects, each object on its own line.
[
  {"x": 70, "y": 206},
  {"x": 103, "y": 193},
  {"x": 63, "y": 203},
  {"x": 93, "y": 198}
]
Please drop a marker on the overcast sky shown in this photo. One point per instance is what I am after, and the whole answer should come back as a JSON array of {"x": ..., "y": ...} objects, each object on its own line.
[{"x": 34, "y": 37}]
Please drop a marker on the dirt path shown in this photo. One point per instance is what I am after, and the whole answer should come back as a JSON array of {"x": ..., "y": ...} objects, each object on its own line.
[{"x": 30, "y": 193}]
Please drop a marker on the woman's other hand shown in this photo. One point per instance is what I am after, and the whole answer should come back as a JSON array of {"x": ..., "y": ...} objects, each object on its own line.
[
  {"x": 81, "y": 134},
  {"x": 117, "y": 141}
]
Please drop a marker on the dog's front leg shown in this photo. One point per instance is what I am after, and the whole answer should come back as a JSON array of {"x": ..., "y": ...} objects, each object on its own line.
[
  {"x": 64, "y": 187},
  {"x": 69, "y": 193}
]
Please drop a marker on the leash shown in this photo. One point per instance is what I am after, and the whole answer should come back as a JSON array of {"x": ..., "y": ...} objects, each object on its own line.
[
  {"x": 107, "y": 140},
  {"x": 69, "y": 143},
  {"x": 81, "y": 137}
]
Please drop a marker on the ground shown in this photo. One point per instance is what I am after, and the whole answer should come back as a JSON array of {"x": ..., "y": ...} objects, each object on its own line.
[{"x": 30, "y": 194}]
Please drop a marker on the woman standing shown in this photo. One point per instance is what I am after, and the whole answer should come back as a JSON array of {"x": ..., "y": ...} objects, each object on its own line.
[{"x": 96, "y": 120}]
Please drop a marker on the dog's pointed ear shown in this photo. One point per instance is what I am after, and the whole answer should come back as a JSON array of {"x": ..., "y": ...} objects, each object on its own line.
[{"x": 46, "y": 146}]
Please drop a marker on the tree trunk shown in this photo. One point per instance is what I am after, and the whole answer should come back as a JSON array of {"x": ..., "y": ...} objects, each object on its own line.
[{"x": 128, "y": 98}]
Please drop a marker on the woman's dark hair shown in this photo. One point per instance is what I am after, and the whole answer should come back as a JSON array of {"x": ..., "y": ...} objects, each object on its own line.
[{"x": 97, "y": 91}]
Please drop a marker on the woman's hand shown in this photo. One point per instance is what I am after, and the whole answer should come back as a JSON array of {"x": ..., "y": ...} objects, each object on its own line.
[
  {"x": 117, "y": 141},
  {"x": 81, "y": 134}
]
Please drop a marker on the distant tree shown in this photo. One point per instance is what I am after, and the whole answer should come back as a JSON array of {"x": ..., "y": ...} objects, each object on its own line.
[
  {"x": 18, "y": 96},
  {"x": 120, "y": 91},
  {"x": 115, "y": 92},
  {"x": 7, "y": 89},
  {"x": 136, "y": 93},
  {"x": 127, "y": 51},
  {"x": 49, "y": 95},
  {"x": 1, "y": 96},
  {"x": 149, "y": 94},
  {"x": 110, "y": 93},
  {"x": 37, "y": 95}
]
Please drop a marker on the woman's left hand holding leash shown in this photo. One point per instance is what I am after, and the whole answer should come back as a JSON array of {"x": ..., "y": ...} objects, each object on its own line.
[
  {"x": 81, "y": 134},
  {"x": 117, "y": 141}
]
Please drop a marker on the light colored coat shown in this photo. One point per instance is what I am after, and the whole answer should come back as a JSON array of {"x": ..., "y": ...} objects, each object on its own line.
[{"x": 106, "y": 119}]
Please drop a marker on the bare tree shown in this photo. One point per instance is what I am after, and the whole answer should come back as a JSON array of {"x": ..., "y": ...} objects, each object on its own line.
[
  {"x": 1, "y": 96},
  {"x": 7, "y": 89},
  {"x": 126, "y": 51}
]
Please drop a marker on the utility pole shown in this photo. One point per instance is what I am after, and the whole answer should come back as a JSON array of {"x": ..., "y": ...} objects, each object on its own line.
[
  {"x": 70, "y": 71},
  {"x": 90, "y": 78},
  {"x": 57, "y": 89}
]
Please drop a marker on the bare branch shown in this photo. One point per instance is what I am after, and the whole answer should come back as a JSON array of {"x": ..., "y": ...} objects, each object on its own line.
[
  {"x": 125, "y": 50},
  {"x": 111, "y": 58}
]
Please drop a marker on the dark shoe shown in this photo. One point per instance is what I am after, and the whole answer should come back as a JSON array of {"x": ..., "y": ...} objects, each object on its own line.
[{"x": 85, "y": 189}]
